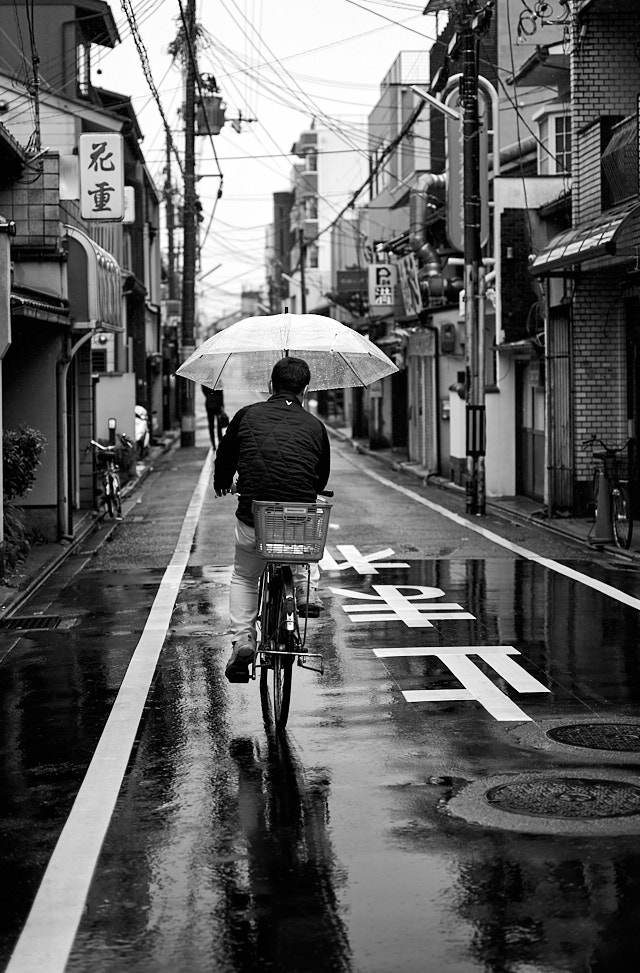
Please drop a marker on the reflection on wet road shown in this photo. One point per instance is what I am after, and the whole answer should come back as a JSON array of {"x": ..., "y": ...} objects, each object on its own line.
[{"x": 342, "y": 847}]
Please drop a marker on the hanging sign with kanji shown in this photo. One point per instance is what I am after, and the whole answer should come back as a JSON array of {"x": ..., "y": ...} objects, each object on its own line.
[
  {"x": 101, "y": 167},
  {"x": 382, "y": 279}
]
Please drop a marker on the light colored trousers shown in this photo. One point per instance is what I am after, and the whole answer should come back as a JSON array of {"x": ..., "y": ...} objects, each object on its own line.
[{"x": 247, "y": 570}]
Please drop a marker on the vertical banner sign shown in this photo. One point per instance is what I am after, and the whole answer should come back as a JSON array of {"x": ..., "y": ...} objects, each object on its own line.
[
  {"x": 101, "y": 166},
  {"x": 382, "y": 279},
  {"x": 410, "y": 285}
]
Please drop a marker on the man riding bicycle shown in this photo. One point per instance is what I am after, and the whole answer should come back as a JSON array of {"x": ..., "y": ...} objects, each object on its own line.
[{"x": 280, "y": 452}]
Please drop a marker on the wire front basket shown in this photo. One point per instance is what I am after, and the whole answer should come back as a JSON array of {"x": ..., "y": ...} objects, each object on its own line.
[{"x": 295, "y": 532}]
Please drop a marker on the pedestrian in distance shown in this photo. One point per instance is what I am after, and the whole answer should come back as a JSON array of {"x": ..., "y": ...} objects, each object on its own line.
[
  {"x": 280, "y": 452},
  {"x": 216, "y": 416}
]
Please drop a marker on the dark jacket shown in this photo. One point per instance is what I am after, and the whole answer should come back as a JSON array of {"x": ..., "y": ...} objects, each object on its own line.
[
  {"x": 214, "y": 400},
  {"x": 279, "y": 451}
]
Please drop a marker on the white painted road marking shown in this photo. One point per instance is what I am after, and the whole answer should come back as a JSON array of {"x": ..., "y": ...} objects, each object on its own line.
[
  {"x": 600, "y": 586},
  {"x": 476, "y": 685},
  {"x": 390, "y": 604},
  {"x": 47, "y": 938},
  {"x": 361, "y": 563}
]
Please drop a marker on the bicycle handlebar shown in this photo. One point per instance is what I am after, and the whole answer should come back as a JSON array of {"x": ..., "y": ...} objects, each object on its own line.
[{"x": 612, "y": 449}]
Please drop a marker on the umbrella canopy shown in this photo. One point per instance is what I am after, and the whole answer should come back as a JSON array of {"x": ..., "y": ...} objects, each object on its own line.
[{"x": 243, "y": 355}]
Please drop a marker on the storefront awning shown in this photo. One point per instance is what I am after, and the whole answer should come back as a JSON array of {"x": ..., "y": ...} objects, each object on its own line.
[
  {"x": 588, "y": 241},
  {"x": 95, "y": 284}
]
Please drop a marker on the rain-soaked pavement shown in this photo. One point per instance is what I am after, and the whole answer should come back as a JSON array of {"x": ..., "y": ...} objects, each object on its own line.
[{"x": 458, "y": 792}]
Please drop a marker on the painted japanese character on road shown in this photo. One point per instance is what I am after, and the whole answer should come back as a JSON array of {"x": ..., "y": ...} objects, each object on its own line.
[{"x": 397, "y": 603}]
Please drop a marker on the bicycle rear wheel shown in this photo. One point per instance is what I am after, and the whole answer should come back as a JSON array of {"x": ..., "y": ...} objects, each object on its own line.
[
  {"x": 621, "y": 516},
  {"x": 285, "y": 642}
]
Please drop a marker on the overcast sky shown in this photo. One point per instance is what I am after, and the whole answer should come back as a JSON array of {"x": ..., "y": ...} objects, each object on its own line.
[{"x": 278, "y": 61}]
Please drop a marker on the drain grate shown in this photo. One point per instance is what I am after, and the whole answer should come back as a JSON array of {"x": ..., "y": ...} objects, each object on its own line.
[
  {"x": 619, "y": 737},
  {"x": 567, "y": 797},
  {"x": 30, "y": 622}
]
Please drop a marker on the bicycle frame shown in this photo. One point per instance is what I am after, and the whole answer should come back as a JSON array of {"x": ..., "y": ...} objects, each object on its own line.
[
  {"x": 280, "y": 640},
  {"x": 110, "y": 479},
  {"x": 617, "y": 496}
]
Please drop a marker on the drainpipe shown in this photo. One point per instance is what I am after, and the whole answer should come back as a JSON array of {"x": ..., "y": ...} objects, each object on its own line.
[
  {"x": 417, "y": 217},
  {"x": 62, "y": 370}
]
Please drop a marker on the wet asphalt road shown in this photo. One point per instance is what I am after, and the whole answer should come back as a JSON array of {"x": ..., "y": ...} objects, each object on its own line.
[{"x": 368, "y": 839}]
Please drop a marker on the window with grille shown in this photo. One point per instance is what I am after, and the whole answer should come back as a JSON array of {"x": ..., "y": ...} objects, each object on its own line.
[
  {"x": 563, "y": 143},
  {"x": 554, "y": 150},
  {"x": 98, "y": 360}
]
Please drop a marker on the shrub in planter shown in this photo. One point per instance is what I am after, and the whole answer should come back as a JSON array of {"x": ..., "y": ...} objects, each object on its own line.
[{"x": 21, "y": 456}]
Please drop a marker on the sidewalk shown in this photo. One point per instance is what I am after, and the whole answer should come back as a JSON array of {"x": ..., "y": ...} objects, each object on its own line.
[
  {"x": 43, "y": 559},
  {"x": 519, "y": 509}
]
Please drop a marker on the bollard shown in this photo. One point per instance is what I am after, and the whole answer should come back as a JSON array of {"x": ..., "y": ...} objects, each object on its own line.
[{"x": 603, "y": 530}]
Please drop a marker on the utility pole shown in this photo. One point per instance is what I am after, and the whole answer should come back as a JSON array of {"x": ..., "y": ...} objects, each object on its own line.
[
  {"x": 303, "y": 282},
  {"x": 474, "y": 273},
  {"x": 171, "y": 225},
  {"x": 188, "y": 419}
]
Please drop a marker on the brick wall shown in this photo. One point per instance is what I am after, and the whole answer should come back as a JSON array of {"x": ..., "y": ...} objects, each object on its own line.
[
  {"x": 599, "y": 362},
  {"x": 605, "y": 78}
]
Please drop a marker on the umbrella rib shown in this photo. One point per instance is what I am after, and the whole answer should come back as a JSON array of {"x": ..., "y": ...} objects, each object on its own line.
[
  {"x": 226, "y": 361},
  {"x": 350, "y": 366}
]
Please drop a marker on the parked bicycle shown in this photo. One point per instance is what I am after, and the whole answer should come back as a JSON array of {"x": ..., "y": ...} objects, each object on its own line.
[
  {"x": 109, "y": 476},
  {"x": 610, "y": 456},
  {"x": 286, "y": 534}
]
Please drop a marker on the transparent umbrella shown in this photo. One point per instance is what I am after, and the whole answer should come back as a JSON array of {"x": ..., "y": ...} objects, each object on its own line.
[{"x": 243, "y": 355}]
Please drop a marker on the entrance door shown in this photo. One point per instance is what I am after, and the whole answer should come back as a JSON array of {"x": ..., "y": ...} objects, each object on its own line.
[{"x": 529, "y": 433}]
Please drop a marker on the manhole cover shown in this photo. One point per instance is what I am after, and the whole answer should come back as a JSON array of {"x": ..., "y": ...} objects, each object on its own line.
[
  {"x": 567, "y": 797},
  {"x": 621, "y": 737}
]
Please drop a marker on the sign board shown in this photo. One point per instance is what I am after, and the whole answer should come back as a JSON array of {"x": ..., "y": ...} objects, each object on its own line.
[
  {"x": 382, "y": 280},
  {"x": 410, "y": 284},
  {"x": 101, "y": 167},
  {"x": 455, "y": 175}
]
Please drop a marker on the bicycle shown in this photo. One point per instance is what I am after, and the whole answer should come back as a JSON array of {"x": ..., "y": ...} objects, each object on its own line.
[
  {"x": 286, "y": 534},
  {"x": 110, "y": 478},
  {"x": 621, "y": 513}
]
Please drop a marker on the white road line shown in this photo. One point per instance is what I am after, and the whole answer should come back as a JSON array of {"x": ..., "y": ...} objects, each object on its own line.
[
  {"x": 605, "y": 589},
  {"x": 47, "y": 938}
]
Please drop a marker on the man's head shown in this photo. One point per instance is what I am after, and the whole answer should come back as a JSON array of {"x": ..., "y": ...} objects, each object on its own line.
[{"x": 290, "y": 375}]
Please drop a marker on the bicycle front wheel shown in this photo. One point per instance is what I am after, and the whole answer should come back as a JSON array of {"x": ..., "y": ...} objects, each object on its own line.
[
  {"x": 108, "y": 497},
  {"x": 117, "y": 499},
  {"x": 621, "y": 516}
]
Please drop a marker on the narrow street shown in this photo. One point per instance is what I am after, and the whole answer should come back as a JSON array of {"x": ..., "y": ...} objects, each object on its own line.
[{"x": 457, "y": 792}]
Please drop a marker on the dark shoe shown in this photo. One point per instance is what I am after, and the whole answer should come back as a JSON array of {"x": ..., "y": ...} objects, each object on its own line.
[
  {"x": 237, "y": 669},
  {"x": 310, "y": 608}
]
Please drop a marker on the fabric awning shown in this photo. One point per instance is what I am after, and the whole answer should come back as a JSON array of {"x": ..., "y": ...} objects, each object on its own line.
[
  {"x": 588, "y": 241},
  {"x": 95, "y": 284}
]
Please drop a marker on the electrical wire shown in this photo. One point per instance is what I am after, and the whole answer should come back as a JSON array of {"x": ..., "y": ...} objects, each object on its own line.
[{"x": 144, "y": 61}]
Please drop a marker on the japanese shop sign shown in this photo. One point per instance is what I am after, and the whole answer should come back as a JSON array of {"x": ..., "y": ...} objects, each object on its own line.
[
  {"x": 382, "y": 279},
  {"x": 101, "y": 167}
]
